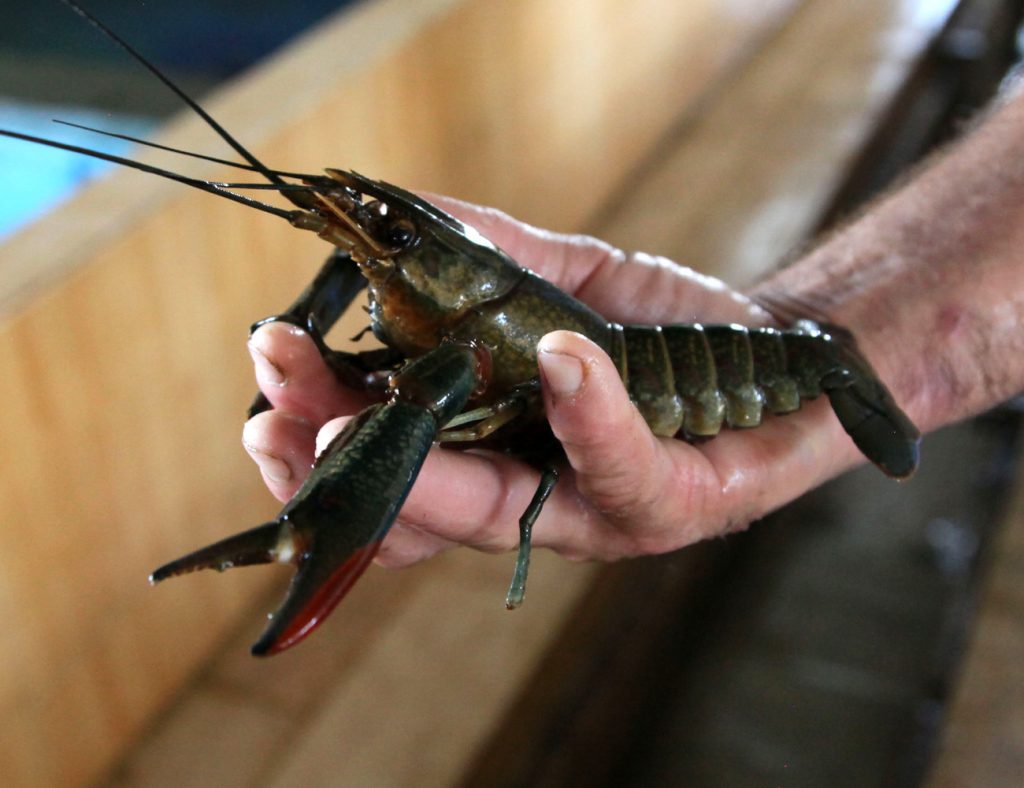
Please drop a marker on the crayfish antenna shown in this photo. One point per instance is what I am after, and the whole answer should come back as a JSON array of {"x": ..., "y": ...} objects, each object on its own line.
[
  {"x": 263, "y": 544},
  {"x": 196, "y": 183},
  {"x": 179, "y": 151},
  {"x": 173, "y": 87},
  {"x": 296, "y": 198}
]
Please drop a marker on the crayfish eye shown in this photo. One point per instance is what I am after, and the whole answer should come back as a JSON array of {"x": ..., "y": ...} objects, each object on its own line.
[{"x": 401, "y": 233}]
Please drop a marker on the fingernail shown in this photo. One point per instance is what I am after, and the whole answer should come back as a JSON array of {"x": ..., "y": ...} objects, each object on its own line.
[
  {"x": 266, "y": 370},
  {"x": 563, "y": 374},
  {"x": 274, "y": 468}
]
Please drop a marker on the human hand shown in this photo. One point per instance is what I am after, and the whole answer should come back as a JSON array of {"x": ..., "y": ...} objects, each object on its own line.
[{"x": 626, "y": 492}]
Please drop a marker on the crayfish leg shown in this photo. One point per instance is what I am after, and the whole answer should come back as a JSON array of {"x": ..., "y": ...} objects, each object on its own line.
[
  {"x": 483, "y": 420},
  {"x": 517, "y": 590}
]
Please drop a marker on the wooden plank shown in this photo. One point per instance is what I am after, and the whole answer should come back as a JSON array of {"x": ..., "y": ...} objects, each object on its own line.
[
  {"x": 414, "y": 710},
  {"x": 124, "y": 317},
  {"x": 746, "y": 183},
  {"x": 444, "y": 651},
  {"x": 228, "y": 738},
  {"x": 983, "y": 735},
  {"x": 574, "y": 720}
]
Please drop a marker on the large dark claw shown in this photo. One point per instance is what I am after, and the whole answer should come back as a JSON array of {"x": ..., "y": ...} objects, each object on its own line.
[
  {"x": 317, "y": 587},
  {"x": 333, "y": 526}
]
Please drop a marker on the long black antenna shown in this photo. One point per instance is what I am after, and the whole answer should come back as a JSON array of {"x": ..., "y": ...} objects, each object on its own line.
[
  {"x": 179, "y": 151},
  {"x": 192, "y": 104},
  {"x": 206, "y": 186}
]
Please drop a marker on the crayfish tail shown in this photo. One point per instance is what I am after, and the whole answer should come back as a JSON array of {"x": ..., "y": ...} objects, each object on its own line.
[
  {"x": 315, "y": 591},
  {"x": 263, "y": 544},
  {"x": 878, "y": 427}
]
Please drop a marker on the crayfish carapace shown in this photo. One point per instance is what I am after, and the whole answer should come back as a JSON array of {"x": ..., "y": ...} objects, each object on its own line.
[{"x": 460, "y": 322}]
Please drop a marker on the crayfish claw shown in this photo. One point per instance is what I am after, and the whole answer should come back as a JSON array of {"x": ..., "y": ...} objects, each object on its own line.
[
  {"x": 319, "y": 583},
  {"x": 316, "y": 588},
  {"x": 335, "y": 522},
  {"x": 263, "y": 544}
]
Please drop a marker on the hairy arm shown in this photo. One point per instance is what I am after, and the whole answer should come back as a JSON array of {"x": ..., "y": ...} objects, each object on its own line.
[{"x": 930, "y": 278}]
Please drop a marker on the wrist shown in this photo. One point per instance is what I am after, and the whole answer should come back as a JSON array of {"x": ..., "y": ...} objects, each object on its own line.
[{"x": 931, "y": 280}]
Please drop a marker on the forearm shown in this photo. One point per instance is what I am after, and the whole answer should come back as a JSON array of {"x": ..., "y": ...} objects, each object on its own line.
[{"x": 931, "y": 278}]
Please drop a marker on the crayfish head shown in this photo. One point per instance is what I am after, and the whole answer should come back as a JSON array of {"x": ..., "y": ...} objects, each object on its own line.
[
  {"x": 424, "y": 266},
  {"x": 433, "y": 253}
]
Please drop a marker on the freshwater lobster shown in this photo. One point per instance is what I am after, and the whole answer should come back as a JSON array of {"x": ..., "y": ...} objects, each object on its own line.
[{"x": 460, "y": 322}]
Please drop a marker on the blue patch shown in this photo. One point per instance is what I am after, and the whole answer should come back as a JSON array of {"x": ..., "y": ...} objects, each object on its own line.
[{"x": 35, "y": 178}]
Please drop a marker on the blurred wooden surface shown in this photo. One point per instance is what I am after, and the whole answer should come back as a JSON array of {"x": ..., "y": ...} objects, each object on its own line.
[
  {"x": 983, "y": 735},
  {"x": 752, "y": 172},
  {"x": 123, "y": 329}
]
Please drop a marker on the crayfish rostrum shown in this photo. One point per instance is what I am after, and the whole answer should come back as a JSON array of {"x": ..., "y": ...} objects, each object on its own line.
[{"x": 460, "y": 322}]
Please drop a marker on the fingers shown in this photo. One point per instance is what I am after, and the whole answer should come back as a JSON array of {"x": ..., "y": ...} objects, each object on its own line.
[
  {"x": 663, "y": 493},
  {"x": 763, "y": 468},
  {"x": 470, "y": 498},
  {"x": 406, "y": 545},
  {"x": 643, "y": 288},
  {"x": 476, "y": 499},
  {"x": 294, "y": 377},
  {"x": 656, "y": 491},
  {"x": 604, "y": 437},
  {"x": 626, "y": 492},
  {"x": 566, "y": 260},
  {"x": 305, "y": 394},
  {"x": 281, "y": 444}
]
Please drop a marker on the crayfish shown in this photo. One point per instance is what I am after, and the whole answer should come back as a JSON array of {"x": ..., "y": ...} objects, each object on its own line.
[{"x": 460, "y": 322}]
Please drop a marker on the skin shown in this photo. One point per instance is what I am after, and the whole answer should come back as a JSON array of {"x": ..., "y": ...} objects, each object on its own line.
[{"x": 930, "y": 279}]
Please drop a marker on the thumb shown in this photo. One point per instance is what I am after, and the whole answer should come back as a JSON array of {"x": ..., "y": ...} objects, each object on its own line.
[{"x": 620, "y": 466}]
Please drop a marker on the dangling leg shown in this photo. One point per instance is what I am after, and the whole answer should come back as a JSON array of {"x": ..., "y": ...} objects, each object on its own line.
[
  {"x": 483, "y": 421},
  {"x": 517, "y": 590}
]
